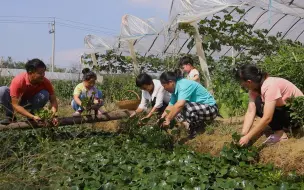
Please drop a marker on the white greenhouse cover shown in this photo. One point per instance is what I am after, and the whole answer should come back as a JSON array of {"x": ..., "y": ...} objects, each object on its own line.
[{"x": 159, "y": 38}]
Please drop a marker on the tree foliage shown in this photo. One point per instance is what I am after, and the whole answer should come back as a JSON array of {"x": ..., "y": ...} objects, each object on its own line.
[
  {"x": 287, "y": 63},
  {"x": 11, "y": 64}
]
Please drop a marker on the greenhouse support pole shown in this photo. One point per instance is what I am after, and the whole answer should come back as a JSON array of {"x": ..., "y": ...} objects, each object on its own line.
[
  {"x": 202, "y": 58},
  {"x": 133, "y": 56},
  {"x": 94, "y": 60}
]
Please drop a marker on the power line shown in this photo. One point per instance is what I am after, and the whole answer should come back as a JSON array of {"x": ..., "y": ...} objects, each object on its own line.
[
  {"x": 26, "y": 17},
  {"x": 84, "y": 28},
  {"x": 78, "y": 27},
  {"x": 24, "y": 22},
  {"x": 52, "y": 18},
  {"x": 85, "y": 24}
]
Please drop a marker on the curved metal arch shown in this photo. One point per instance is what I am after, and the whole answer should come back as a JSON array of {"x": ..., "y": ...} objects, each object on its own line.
[
  {"x": 183, "y": 45},
  {"x": 276, "y": 23},
  {"x": 169, "y": 45},
  {"x": 299, "y": 35},
  {"x": 266, "y": 33},
  {"x": 151, "y": 45},
  {"x": 154, "y": 39},
  {"x": 285, "y": 34},
  {"x": 290, "y": 28}
]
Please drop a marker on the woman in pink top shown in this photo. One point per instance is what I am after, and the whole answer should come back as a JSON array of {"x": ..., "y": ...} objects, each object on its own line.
[{"x": 268, "y": 97}]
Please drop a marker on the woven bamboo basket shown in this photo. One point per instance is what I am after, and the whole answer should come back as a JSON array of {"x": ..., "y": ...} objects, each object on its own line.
[{"x": 129, "y": 104}]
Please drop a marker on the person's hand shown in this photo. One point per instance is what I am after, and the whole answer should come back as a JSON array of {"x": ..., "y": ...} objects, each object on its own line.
[
  {"x": 166, "y": 122},
  {"x": 164, "y": 114},
  {"x": 244, "y": 140},
  {"x": 55, "y": 121},
  {"x": 98, "y": 101},
  {"x": 36, "y": 118},
  {"x": 146, "y": 117},
  {"x": 133, "y": 114}
]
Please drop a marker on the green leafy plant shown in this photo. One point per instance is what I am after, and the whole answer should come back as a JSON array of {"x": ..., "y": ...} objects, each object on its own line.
[
  {"x": 296, "y": 109},
  {"x": 87, "y": 102},
  {"x": 287, "y": 63},
  {"x": 111, "y": 161},
  {"x": 44, "y": 114},
  {"x": 236, "y": 153}
]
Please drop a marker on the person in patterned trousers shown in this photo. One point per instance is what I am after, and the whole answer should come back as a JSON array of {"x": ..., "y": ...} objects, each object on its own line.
[{"x": 190, "y": 102}]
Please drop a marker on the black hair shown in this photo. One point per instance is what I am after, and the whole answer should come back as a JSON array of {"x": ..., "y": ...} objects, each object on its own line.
[
  {"x": 165, "y": 77},
  {"x": 33, "y": 64},
  {"x": 251, "y": 72},
  {"x": 88, "y": 74},
  {"x": 143, "y": 79},
  {"x": 186, "y": 60}
]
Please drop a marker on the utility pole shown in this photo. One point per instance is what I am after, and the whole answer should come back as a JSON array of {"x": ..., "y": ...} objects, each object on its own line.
[{"x": 52, "y": 31}]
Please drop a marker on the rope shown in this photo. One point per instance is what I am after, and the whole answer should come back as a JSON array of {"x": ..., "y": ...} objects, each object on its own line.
[{"x": 269, "y": 13}]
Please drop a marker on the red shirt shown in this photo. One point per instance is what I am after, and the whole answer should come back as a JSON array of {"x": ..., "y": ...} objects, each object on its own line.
[{"x": 22, "y": 88}]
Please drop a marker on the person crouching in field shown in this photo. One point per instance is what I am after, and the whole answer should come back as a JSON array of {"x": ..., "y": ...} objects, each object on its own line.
[
  {"x": 28, "y": 91},
  {"x": 190, "y": 102},
  {"x": 85, "y": 90},
  {"x": 187, "y": 64},
  {"x": 152, "y": 92},
  {"x": 268, "y": 97}
]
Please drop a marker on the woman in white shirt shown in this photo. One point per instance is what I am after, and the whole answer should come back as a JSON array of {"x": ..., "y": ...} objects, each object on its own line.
[
  {"x": 152, "y": 92},
  {"x": 187, "y": 64}
]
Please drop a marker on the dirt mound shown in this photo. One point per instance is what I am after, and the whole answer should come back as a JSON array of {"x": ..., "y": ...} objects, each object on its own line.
[
  {"x": 288, "y": 155},
  {"x": 212, "y": 144},
  {"x": 109, "y": 126}
]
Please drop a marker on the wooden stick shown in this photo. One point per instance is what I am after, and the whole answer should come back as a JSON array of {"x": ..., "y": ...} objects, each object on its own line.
[{"x": 114, "y": 115}]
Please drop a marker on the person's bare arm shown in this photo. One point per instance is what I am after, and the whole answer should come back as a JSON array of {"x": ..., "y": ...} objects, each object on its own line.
[
  {"x": 168, "y": 108},
  {"x": 19, "y": 109},
  {"x": 177, "y": 108},
  {"x": 269, "y": 108},
  {"x": 249, "y": 118},
  {"x": 138, "y": 110},
  {"x": 77, "y": 100},
  {"x": 54, "y": 104},
  {"x": 153, "y": 110},
  {"x": 196, "y": 78}
]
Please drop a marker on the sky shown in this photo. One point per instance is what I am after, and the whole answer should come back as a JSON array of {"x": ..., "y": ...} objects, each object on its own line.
[{"x": 24, "y": 25}]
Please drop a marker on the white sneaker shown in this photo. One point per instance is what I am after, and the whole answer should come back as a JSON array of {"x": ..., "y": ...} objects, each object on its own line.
[
  {"x": 77, "y": 114},
  {"x": 99, "y": 112}
]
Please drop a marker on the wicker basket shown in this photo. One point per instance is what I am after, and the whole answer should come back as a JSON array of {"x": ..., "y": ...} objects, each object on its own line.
[{"x": 129, "y": 104}]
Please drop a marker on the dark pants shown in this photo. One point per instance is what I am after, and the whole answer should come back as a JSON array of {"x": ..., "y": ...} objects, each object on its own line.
[
  {"x": 280, "y": 119},
  {"x": 38, "y": 101},
  {"x": 159, "y": 110}
]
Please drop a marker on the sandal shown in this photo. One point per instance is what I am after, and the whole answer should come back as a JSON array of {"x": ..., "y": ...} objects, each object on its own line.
[{"x": 272, "y": 139}]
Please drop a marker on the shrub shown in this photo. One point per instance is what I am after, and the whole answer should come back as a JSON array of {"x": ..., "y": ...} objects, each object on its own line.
[{"x": 287, "y": 63}]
